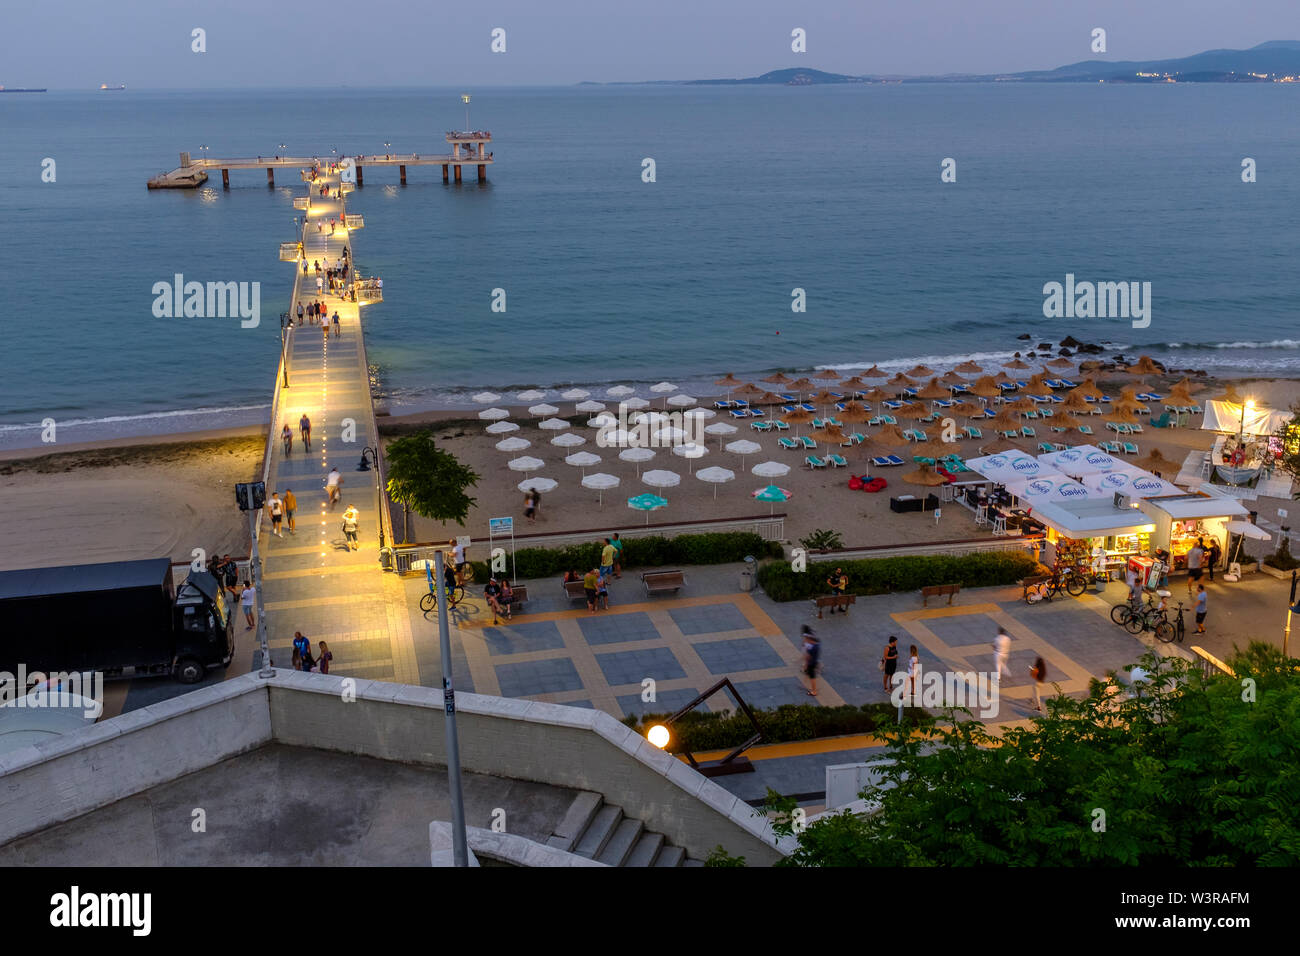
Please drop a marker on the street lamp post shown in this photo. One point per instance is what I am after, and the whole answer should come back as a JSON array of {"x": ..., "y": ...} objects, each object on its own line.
[
  {"x": 460, "y": 850},
  {"x": 464, "y": 97},
  {"x": 285, "y": 320},
  {"x": 251, "y": 497}
]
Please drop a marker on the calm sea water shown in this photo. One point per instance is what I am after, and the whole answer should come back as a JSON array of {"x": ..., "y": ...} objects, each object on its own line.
[{"x": 835, "y": 190}]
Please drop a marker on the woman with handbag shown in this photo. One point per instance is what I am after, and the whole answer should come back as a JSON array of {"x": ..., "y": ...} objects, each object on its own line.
[{"x": 350, "y": 517}]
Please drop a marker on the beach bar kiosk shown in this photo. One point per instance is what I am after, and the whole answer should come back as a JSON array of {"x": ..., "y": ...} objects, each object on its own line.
[
  {"x": 1096, "y": 532},
  {"x": 1180, "y": 520}
]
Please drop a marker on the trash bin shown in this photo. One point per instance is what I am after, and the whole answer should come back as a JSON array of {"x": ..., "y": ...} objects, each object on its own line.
[
  {"x": 386, "y": 558},
  {"x": 747, "y": 573}
]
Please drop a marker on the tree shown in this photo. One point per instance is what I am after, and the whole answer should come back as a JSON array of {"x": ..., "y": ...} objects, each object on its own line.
[
  {"x": 1183, "y": 770},
  {"x": 429, "y": 481},
  {"x": 1290, "y": 435}
]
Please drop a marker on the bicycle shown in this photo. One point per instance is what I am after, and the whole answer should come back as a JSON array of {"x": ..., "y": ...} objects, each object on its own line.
[
  {"x": 1176, "y": 630},
  {"x": 1147, "y": 618},
  {"x": 1070, "y": 580},
  {"x": 1121, "y": 613},
  {"x": 429, "y": 601}
]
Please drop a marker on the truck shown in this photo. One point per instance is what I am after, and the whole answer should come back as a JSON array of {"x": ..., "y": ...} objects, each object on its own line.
[{"x": 124, "y": 619}]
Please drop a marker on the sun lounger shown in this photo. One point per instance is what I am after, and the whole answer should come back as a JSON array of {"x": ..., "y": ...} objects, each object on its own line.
[
  {"x": 1135, "y": 429},
  {"x": 1027, "y": 432},
  {"x": 785, "y": 396},
  {"x": 761, "y": 426},
  {"x": 789, "y": 444},
  {"x": 1085, "y": 429},
  {"x": 1053, "y": 383},
  {"x": 955, "y": 464},
  {"x": 1130, "y": 448},
  {"x": 789, "y": 409},
  {"x": 739, "y": 413},
  {"x": 1046, "y": 447},
  {"x": 722, "y": 404},
  {"x": 944, "y": 403},
  {"x": 807, "y": 442},
  {"x": 1110, "y": 447},
  {"x": 757, "y": 413},
  {"x": 778, "y": 424},
  {"x": 808, "y": 408},
  {"x": 889, "y": 419},
  {"x": 812, "y": 461},
  {"x": 886, "y": 460},
  {"x": 1045, "y": 413},
  {"x": 1066, "y": 383},
  {"x": 839, "y": 461},
  {"x": 971, "y": 432},
  {"x": 739, "y": 403},
  {"x": 1010, "y": 433},
  {"x": 910, "y": 391}
]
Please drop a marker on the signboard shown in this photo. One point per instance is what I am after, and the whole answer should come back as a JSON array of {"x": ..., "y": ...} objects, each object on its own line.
[
  {"x": 498, "y": 526},
  {"x": 347, "y": 171},
  {"x": 251, "y": 495}
]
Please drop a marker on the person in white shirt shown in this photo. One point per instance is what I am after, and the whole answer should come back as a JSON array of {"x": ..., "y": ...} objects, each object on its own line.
[
  {"x": 1002, "y": 648},
  {"x": 247, "y": 598},
  {"x": 332, "y": 486},
  {"x": 276, "y": 507}
]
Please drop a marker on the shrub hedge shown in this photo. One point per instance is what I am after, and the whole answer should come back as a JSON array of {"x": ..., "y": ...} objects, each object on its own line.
[
  {"x": 653, "y": 552},
  {"x": 885, "y": 575},
  {"x": 707, "y": 730}
]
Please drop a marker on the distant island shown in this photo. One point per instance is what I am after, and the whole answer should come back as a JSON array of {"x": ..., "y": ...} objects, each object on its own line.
[{"x": 1277, "y": 61}]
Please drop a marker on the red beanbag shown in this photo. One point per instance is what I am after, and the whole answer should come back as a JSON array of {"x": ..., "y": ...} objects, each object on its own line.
[{"x": 855, "y": 483}]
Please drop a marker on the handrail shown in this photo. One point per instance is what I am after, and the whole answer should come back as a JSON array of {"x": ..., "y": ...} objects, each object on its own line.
[{"x": 1210, "y": 665}]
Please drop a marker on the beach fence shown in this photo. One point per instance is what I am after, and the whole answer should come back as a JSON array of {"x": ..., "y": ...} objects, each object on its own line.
[
  {"x": 959, "y": 546},
  {"x": 768, "y": 527}
]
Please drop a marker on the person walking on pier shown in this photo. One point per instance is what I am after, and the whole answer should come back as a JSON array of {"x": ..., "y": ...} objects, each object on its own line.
[
  {"x": 304, "y": 269},
  {"x": 336, "y": 323},
  {"x": 304, "y": 429},
  {"x": 332, "y": 484},
  {"x": 287, "y": 437},
  {"x": 320, "y": 285},
  {"x": 350, "y": 518},
  {"x": 290, "y": 506}
]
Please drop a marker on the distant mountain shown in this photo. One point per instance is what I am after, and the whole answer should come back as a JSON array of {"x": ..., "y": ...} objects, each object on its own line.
[{"x": 1275, "y": 61}]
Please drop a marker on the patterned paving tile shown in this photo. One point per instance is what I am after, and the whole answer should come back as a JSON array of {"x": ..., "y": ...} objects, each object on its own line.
[
  {"x": 963, "y": 630},
  {"x": 737, "y": 656},
  {"x": 538, "y": 677},
  {"x": 774, "y": 692},
  {"x": 618, "y": 628},
  {"x": 522, "y": 638},
  {"x": 709, "y": 619},
  {"x": 666, "y": 702},
  {"x": 632, "y": 667}
]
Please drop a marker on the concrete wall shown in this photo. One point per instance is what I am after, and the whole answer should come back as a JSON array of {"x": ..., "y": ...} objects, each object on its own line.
[
  {"x": 68, "y": 776},
  {"x": 529, "y": 740}
]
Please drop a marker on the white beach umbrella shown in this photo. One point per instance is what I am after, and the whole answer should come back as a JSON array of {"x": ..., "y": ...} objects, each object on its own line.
[
  {"x": 743, "y": 447},
  {"x": 553, "y": 424},
  {"x": 701, "y": 413},
  {"x": 715, "y": 476},
  {"x": 601, "y": 483},
  {"x": 690, "y": 451},
  {"x": 486, "y": 398},
  {"x": 663, "y": 387},
  {"x": 568, "y": 440},
  {"x": 661, "y": 479},
  {"x": 620, "y": 391},
  {"x": 513, "y": 444},
  {"x": 648, "y": 418},
  {"x": 770, "y": 469},
  {"x": 632, "y": 404},
  {"x": 493, "y": 414},
  {"x": 525, "y": 464},
  {"x": 574, "y": 394},
  {"x": 542, "y": 409},
  {"x": 680, "y": 400},
  {"x": 637, "y": 455},
  {"x": 669, "y": 436},
  {"x": 615, "y": 438},
  {"x": 583, "y": 460},
  {"x": 502, "y": 428},
  {"x": 589, "y": 407},
  {"x": 531, "y": 395},
  {"x": 601, "y": 420},
  {"x": 538, "y": 484},
  {"x": 720, "y": 429}
]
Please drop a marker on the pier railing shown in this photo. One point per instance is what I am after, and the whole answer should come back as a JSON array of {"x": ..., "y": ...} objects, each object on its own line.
[{"x": 1209, "y": 664}]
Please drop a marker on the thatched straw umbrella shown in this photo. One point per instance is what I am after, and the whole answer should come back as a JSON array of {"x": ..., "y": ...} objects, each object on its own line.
[
  {"x": 1143, "y": 366},
  {"x": 854, "y": 413},
  {"x": 877, "y": 394},
  {"x": 1016, "y": 364},
  {"x": 933, "y": 390},
  {"x": 1074, "y": 402},
  {"x": 1188, "y": 385},
  {"x": 1065, "y": 420},
  {"x": 1089, "y": 389},
  {"x": 913, "y": 411},
  {"x": 780, "y": 378},
  {"x": 969, "y": 368},
  {"x": 901, "y": 381},
  {"x": 801, "y": 385},
  {"x": 1230, "y": 395},
  {"x": 749, "y": 388},
  {"x": 1156, "y": 462},
  {"x": 932, "y": 449},
  {"x": 966, "y": 409},
  {"x": 986, "y": 387},
  {"x": 798, "y": 417},
  {"x": 1060, "y": 363},
  {"x": 1120, "y": 417},
  {"x": 827, "y": 375},
  {"x": 1005, "y": 421},
  {"x": 1023, "y": 404},
  {"x": 873, "y": 372},
  {"x": 892, "y": 435},
  {"x": 921, "y": 371},
  {"x": 1002, "y": 378},
  {"x": 953, "y": 378},
  {"x": 926, "y": 477},
  {"x": 1000, "y": 446},
  {"x": 854, "y": 384}
]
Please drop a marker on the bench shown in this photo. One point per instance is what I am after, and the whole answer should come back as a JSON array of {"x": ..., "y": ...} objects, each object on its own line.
[
  {"x": 835, "y": 601},
  {"x": 518, "y": 597},
  {"x": 938, "y": 590},
  {"x": 657, "y": 582},
  {"x": 575, "y": 590}
]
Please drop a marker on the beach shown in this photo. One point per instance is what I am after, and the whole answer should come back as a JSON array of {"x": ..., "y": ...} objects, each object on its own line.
[{"x": 167, "y": 495}]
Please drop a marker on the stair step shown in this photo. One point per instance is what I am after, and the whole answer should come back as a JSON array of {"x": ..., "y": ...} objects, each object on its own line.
[
  {"x": 621, "y": 843},
  {"x": 576, "y": 819},
  {"x": 670, "y": 856},
  {"x": 689, "y": 862},
  {"x": 598, "y": 832},
  {"x": 646, "y": 849}
]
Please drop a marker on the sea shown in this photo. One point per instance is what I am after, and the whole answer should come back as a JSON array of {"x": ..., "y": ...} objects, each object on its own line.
[{"x": 607, "y": 278}]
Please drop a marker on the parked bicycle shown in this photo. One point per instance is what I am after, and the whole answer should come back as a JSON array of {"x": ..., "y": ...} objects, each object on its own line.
[
  {"x": 1175, "y": 630},
  {"x": 1121, "y": 613}
]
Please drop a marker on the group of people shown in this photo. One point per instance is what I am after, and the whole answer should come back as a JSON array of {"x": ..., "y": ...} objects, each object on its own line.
[
  {"x": 282, "y": 511},
  {"x": 595, "y": 584},
  {"x": 304, "y": 429},
  {"x": 316, "y": 314},
  {"x": 302, "y": 659}
]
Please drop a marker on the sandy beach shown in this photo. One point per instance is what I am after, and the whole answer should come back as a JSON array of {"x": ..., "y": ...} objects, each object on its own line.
[{"x": 121, "y": 500}]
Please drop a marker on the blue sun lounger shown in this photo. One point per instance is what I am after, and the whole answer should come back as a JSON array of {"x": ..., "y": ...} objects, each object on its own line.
[{"x": 886, "y": 460}]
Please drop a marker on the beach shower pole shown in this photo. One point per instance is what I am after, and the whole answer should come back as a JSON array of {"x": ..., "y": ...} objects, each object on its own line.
[{"x": 460, "y": 849}]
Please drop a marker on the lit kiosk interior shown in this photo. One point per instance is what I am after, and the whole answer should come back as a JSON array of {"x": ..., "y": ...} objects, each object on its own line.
[
  {"x": 1079, "y": 531},
  {"x": 1180, "y": 519}
]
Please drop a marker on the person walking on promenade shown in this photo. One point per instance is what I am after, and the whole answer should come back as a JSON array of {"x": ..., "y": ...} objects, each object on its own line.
[
  {"x": 332, "y": 483},
  {"x": 276, "y": 507},
  {"x": 301, "y": 645},
  {"x": 1202, "y": 607},
  {"x": 530, "y": 510},
  {"x": 618, "y": 555},
  {"x": 304, "y": 429},
  {"x": 350, "y": 527},
  {"x": 1038, "y": 674},
  {"x": 913, "y": 670},
  {"x": 325, "y": 657},
  {"x": 286, "y": 435},
  {"x": 1002, "y": 650},
  {"x": 290, "y": 506},
  {"x": 247, "y": 598},
  {"x": 336, "y": 323},
  {"x": 1212, "y": 556},
  {"x": 889, "y": 661},
  {"x": 320, "y": 286},
  {"x": 300, "y": 309},
  {"x": 812, "y": 653},
  {"x": 1195, "y": 560}
]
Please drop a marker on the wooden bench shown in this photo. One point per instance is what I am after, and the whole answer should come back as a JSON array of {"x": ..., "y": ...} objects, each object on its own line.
[
  {"x": 837, "y": 601},
  {"x": 657, "y": 582},
  {"x": 1033, "y": 581},
  {"x": 575, "y": 590},
  {"x": 938, "y": 590},
  {"x": 518, "y": 597}
]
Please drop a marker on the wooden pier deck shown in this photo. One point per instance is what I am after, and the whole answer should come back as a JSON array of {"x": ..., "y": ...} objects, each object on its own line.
[
  {"x": 311, "y": 582},
  {"x": 468, "y": 149}
]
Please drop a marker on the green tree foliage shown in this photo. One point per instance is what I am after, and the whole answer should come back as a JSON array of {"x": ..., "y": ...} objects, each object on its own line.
[
  {"x": 1290, "y": 435},
  {"x": 429, "y": 481},
  {"x": 1182, "y": 771}
]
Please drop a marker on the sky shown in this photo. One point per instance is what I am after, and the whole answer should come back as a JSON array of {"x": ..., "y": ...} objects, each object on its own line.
[{"x": 77, "y": 44}]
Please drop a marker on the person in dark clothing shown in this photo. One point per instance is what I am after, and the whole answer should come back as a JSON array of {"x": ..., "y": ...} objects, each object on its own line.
[
  {"x": 812, "y": 652},
  {"x": 1212, "y": 557},
  {"x": 889, "y": 661}
]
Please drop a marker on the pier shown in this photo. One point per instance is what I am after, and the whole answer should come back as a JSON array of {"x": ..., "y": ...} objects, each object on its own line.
[{"x": 468, "y": 148}]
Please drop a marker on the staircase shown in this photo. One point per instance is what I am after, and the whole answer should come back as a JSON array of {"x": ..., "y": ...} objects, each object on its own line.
[{"x": 600, "y": 832}]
